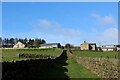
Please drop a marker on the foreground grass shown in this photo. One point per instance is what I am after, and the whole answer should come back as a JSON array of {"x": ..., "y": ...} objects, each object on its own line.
[
  {"x": 13, "y": 54},
  {"x": 72, "y": 68},
  {"x": 76, "y": 70},
  {"x": 36, "y": 69},
  {"x": 113, "y": 54}
]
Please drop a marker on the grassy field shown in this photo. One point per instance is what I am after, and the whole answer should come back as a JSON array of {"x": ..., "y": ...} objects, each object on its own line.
[
  {"x": 96, "y": 54},
  {"x": 76, "y": 70},
  {"x": 13, "y": 54},
  {"x": 72, "y": 68}
]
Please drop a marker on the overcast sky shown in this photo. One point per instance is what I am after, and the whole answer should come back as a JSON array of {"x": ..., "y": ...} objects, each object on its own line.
[{"x": 62, "y": 22}]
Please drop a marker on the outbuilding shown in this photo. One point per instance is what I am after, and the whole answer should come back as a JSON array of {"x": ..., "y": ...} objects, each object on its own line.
[
  {"x": 88, "y": 46},
  {"x": 109, "y": 48},
  {"x": 19, "y": 45},
  {"x": 50, "y": 45}
]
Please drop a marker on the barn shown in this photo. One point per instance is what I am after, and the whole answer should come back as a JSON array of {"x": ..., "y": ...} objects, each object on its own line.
[
  {"x": 88, "y": 46},
  {"x": 50, "y": 45},
  {"x": 110, "y": 47}
]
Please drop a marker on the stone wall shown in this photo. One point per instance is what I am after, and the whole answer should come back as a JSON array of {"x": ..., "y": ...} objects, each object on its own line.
[
  {"x": 104, "y": 68},
  {"x": 40, "y": 56}
]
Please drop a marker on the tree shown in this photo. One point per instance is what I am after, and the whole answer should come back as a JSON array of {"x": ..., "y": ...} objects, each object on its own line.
[
  {"x": 21, "y": 40},
  {"x": 12, "y": 41},
  {"x": 16, "y": 40},
  {"x": 25, "y": 41},
  {"x": 7, "y": 41},
  {"x": 43, "y": 41},
  {"x": 37, "y": 42},
  {"x": 0, "y": 41},
  {"x": 68, "y": 45},
  {"x": 3, "y": 42},
  {"x": 30, "y": 42}
]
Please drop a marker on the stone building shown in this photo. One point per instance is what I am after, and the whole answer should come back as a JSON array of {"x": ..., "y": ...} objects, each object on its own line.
[
  {"x": 110, "y": 47},
  {"x": 88, "y": 46}
]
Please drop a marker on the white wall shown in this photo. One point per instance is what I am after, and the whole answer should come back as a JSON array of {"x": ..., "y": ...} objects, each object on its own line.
[
  {"x": 108, "y": 49},
  {"x": 49, "y": 46}
]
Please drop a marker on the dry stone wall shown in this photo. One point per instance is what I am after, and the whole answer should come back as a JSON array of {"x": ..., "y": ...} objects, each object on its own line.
[
  {"x": 40, "y": 56},
  {"x": 104, "y": 68}
]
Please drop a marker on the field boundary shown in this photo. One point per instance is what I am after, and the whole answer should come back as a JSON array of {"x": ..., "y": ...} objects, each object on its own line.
[
  {"x": 103, "y": 67},
  {"x": 38, "y": 56},
  {"x": 19, "y": 54}
]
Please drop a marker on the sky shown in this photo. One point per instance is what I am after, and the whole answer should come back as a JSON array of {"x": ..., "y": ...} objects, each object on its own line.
[
  {"x": 0, "y": 19},
  {"x": 60, "y": 0},
  {"x": 63, "y": 22}
]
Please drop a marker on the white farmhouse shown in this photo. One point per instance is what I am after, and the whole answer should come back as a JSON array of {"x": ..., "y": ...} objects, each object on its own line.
[
  {"x": 19, "y": 45},
  {"x": 109, "y": 48}
]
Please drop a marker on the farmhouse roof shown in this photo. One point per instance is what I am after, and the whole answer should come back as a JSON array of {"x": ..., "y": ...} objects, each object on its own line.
[
  {"x": 108, "y": 46},
  {"x": 49, "y": 44},
  {"x": 118, "y": 45},
  {"x": 19, "y": 42},
  {"x": 19, "y": 45}
]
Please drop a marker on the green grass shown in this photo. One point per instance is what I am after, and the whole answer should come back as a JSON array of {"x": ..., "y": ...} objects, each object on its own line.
[
  {"x": 76, "y": 70},
  {"x": 13, "y": 54},
  {"x": 96, "y": 54}
]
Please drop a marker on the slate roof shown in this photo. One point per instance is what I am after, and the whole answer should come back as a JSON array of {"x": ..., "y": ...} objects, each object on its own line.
[{"x": 48, "y": 44}]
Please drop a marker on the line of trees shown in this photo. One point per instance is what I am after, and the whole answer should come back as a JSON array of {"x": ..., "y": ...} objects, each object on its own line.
[
  {"x": 0, "y": 42},
  {"x": 6, "y": 42}
]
